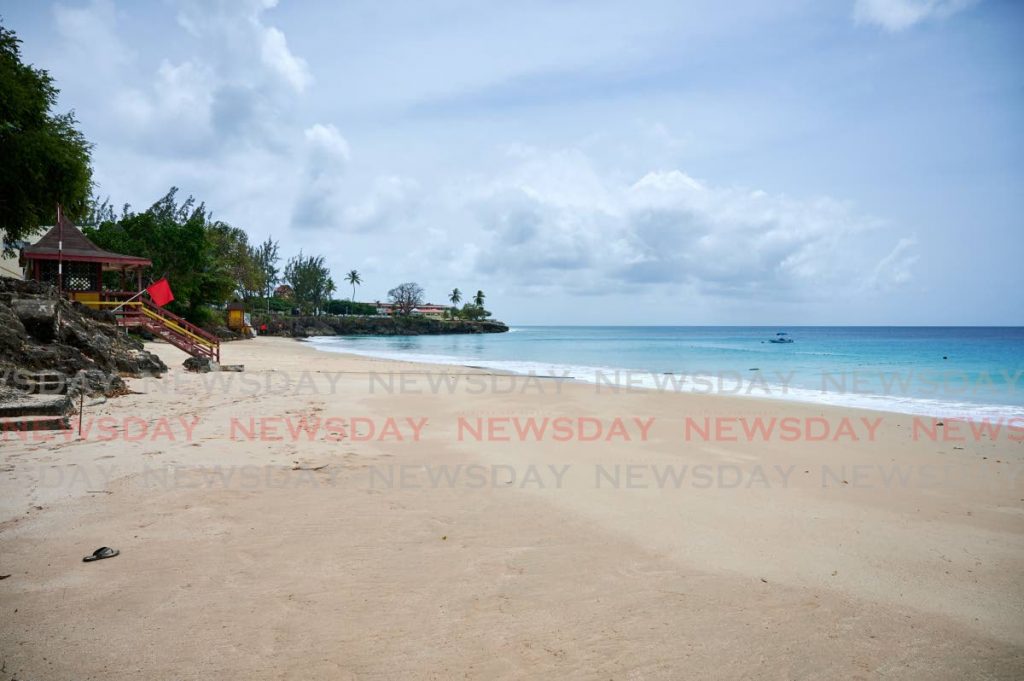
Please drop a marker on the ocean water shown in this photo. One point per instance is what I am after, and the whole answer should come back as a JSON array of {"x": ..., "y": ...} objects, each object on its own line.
[{"x": 972, "y": 372}]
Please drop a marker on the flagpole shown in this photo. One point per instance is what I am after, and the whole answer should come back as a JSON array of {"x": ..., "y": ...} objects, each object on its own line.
[
  {"x": 60, "y": 252},
  {"x": 144, "y": 290},
  {"x": 128, "y": 301}
]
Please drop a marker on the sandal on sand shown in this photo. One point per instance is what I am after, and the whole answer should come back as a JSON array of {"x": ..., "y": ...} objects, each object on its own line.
[{"x": 101, "y": 553}]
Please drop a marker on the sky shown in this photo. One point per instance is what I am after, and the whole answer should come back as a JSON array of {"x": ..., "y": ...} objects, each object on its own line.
[{"x": 580, "y": 161}]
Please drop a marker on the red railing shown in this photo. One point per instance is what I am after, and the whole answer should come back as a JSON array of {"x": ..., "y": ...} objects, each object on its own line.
[
  {"x": 167, "y": 315},
  {"x": 170, "y": 327}
]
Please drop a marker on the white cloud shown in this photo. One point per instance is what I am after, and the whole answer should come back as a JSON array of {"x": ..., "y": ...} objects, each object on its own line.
[
  {"x": 897, "y": 15},
  {"x": 236, "y": 86},
  {"x": 211, "y": 108},
  {"x": 558, "y": 220},
  {"x": 895, "y": 268},
  {"x": 327, "y": 201},
  {"x": 328, "y": 149},
  {"x": 277, "y": 56},
  {"x": 551, "y": 169},
  {"x": 247, "y": 40},
  {"x": 88, "y": 34},
  {"x": 734, "y": 241},
  {"x": 391, "y": 201},
  {"x": 327, "y": 156}
]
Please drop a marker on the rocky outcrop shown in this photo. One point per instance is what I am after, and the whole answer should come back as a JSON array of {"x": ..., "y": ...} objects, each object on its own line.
[
  {"x": 45, "y": 338},
  {"x": 40, "y": 317},
  {"x": 331, "y": 325},
  {"x": 199, "y": 365}
]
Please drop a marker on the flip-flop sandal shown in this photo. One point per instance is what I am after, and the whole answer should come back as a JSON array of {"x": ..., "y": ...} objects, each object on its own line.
[{"x": 101, "y": 553}]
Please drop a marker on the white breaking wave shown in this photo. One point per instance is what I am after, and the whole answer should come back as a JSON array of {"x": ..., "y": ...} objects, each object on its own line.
[{"x": 607, "y": 378}]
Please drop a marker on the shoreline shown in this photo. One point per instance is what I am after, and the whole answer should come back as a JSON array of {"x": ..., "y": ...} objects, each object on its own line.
[
  {"x": 648, "y": 380},
  {"x": 439, "y": 555}
]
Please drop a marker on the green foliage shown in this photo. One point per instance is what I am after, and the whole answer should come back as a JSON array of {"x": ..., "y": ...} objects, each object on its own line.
[
  {"x": 206, "y": 261},
  {"x": 44, "y": 159},
  {"x": 353, "y": 278},
  {"x": 207, "y": 317},
  {"x": 349, "y": 307},
  {"x": 236, "y": 259},
  {"x": 310, "y": 281},
  {"x": 273, "y": 304},
  {"x": 266, "y": 260},
  {"x": 473, "y": 312}
]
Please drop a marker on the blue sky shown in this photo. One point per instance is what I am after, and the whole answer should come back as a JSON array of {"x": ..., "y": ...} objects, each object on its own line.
[{"x": 582, "y": 162}]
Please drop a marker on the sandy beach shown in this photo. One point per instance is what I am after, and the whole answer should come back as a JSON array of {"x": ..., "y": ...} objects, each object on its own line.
[{"x": 326, "y": 516}]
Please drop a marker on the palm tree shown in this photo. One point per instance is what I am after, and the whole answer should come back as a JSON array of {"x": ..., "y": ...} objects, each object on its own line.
[
  {"x": 478, "y": 299},
  {"x": 455, "y": 296},
  {"x": 353, "y": 278}
]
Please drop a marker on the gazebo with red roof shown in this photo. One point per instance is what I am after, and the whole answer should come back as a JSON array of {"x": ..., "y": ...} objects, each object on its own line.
[{"x": 83, "y": 263}]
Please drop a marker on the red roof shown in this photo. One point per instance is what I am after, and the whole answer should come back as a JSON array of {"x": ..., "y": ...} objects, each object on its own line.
[{"x": 77, "y": 248}]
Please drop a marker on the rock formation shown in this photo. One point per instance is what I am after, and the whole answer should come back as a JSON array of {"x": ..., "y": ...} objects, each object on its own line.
[
  {"x": 332, "y": 325},
  {"x": 48, "y": 344}
]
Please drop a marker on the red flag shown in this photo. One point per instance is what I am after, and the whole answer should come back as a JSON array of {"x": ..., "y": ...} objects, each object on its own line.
[{"x": 160, "y": 292}]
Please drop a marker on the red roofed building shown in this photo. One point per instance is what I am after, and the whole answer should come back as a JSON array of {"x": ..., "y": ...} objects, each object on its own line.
[
  {"x": 426, "y": 309},
  {"x": 67, "y": 259}
]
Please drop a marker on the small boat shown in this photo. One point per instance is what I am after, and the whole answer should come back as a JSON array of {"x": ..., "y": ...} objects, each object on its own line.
[{"x": 781, "y": 337}]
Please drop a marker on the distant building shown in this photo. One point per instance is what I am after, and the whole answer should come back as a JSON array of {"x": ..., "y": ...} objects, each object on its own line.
[
  {"x": 9, "y": 267},
  {"x": 431, "y": 310},
  {"x": 425, "y": 310},
  {"x": 284, "y": 292},
  {"x": 65, "y": 258}
]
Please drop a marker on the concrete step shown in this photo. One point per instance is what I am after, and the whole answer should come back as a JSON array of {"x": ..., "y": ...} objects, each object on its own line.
[
  {"x": 33, "y": 423},
  {"x": 36, "y": 405}
]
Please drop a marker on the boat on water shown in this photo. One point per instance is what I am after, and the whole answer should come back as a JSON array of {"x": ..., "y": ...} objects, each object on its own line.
[{"x": 781, "y": 337}]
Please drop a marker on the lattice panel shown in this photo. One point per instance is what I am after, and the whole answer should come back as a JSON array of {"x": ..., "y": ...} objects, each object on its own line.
[
  {"x": 48, "y": 272},
  {"x": 77, "y": 283},
  {"x": 80, "y": 276}
]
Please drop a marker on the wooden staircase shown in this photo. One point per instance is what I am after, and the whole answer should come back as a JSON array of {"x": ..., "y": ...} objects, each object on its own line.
[{"x": 182, "y": 334}]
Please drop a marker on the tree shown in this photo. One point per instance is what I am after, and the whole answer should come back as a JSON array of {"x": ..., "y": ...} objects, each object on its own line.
[
  {"x": 45, "y": 158},
  {"x": 478, "y": 299},
  {"x": 406, "y": 297},
  {"x": 473, "y": 312},
  {"x": 310, "y": 280},
  {"x": 349, "y": 307},
  {"x": 455, "y": 296},
  {"x": 353, "y": 278},
  {"x": 266, "y": 259},
  {"x": 236, "y": 259},
  {"x": 205, "y": 260}
]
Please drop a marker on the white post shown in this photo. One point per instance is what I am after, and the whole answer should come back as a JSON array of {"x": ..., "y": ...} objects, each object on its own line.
[{"x": 60, "y": 252}]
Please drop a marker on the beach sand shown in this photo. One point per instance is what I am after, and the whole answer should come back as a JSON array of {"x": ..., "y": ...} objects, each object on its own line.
[{"x": 248, "y": 552}]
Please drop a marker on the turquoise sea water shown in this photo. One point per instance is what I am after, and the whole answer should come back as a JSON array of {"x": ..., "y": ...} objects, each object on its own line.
[{"x": 949, "y": 371}]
